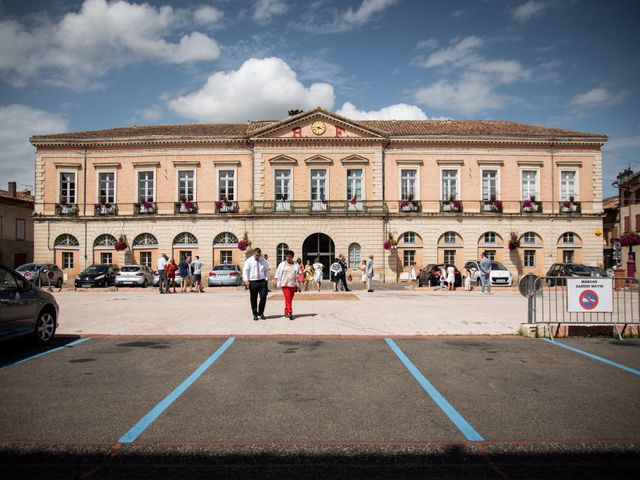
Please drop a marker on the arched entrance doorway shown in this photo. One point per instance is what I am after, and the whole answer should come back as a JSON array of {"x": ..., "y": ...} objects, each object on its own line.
[{"x": 319, "y": 245}]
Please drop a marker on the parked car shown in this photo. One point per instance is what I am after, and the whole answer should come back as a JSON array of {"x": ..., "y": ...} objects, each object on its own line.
[
  {"x": 225, "y": 275},
  {"x": 25, "y": 309},
  {"x": 37, "y": 273},
  {"x": 576, "y": 270},
  {"x": 499, "y": 275},
  {"x": 156, "y": 279},
  {"x": 601, "y": 272},
  {"x": 134, "y": 276},
  {"x": 97, "y": 276},
  {"x": 430, "y": 276}
]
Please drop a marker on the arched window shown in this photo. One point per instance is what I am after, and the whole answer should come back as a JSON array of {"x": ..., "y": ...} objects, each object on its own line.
[
  {"x": 280, "y": 250},
  {"x": 226, "y": 239},
  {"x": 570, "y": 238},
  {"x": 354, "y": 255},
  {"x": 104, "y": 240},
  {"x": 66, "y": 240},
  {"x": 529, "y": 238},
  {"x": 185, "y": 239},
  {"x": 145, "y": 240},
  {"x": 449, "y": 238}
]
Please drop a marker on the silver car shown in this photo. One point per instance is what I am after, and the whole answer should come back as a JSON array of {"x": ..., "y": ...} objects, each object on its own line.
[
  {"x": 25, "y": 309},
  {"x": 225, "y": 275},
  {"x": 134, "y": 276},
  {"x": 156, "y": 279},
  {"x": 39, "y": 273}
]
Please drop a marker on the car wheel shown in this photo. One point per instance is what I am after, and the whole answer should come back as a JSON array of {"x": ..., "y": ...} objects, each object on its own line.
[
  {"x": 145, "y": 284},
  {"x": 478, "y": 282},
  {"x": 45, "y": 327}
]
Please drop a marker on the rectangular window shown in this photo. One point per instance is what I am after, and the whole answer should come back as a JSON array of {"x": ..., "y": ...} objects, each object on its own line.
[
  {"x": 226, "y": 257},
  {"x": 529, "y": 238},
  {"x": 107, "y": 187},
  {"x": 529, "y": 258},
  {"x": 627, "y": 224},
  {"x": 450, "y": 257},
  {"x": 186, "y": 185},
  {"x": 449, "y": 184},
  {"x": 146, "y": 187},
  {"x": 490, "y": 237},
  {"x": 105, "y": 257},
  {"x": 20, "y": 228},
  {"x": 318, "y": 185},
  {"x": 67, "y": 260},
  {"x": 568, "y": 237},
  {"x": 145, "y": 259},
  {"x": 567, "y": 185},
  {"x": 450, "y": 237},
  {"x": 529, "y": 184},
  {"x": 226, "y": 185},
  {"x": 184, "y": 254},
  {"x": 354, "y": 184},
  {"x": 408, "y": 180},
  {"x": 68, "y": 188},
  {"x": 354, "y": 255},
  {"x": 409, "y": 257},
  {"x": 489, "y": 184},
  {"x": 283, "y": 185},
  {"x": 491, "y": 255},
  {"x": 410, "y": 238},
  {"x": 567, "y": 256}
]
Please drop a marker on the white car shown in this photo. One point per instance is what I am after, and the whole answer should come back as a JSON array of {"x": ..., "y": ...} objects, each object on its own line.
[
  {"x": 134, "y": 276},
  {"x": 499, "y": 275}
]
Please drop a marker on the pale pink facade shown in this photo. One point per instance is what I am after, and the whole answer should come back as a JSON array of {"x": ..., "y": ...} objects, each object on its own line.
[{"x": 322, "y": 184}]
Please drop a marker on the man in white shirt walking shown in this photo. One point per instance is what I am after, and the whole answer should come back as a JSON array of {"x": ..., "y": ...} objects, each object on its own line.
[
  {"x": 161, "y": 265},
  {"x": 255, "y": 275}
]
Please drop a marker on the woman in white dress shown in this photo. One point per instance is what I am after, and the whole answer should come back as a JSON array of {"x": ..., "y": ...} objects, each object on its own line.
[
  {"x": 451, "y": 277},
  {"x": 413, "y": 276},
  {"x": 317, "y": 273}
]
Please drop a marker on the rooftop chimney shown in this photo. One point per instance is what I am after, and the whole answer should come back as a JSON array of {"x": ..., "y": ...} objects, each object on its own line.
[{"x": 13, "y": 189}]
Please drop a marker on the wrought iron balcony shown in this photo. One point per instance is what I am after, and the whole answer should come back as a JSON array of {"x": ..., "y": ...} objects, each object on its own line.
[
  {"x": 67, "y": 209},
  {"x": 571, "y": 207},
  {"x": 145, "y": 208},
  {"x": 186, "y": 207},
  {"x": 410, "y": 206},
  {"x": 105, "y": 209}
]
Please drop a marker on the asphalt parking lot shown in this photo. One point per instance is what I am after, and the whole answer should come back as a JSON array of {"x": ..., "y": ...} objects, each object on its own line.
[{"x": 320, "y": 407}]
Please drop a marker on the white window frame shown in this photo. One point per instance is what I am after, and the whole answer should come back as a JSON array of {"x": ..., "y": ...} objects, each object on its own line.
[
  {"x": 66, "y": 255},
  {"x": 137, "y": 180},
  {"x": 458, "y": 195},
  {"x": 355, "y": 262},
  {"x": 537, "y": 185},
  {"x": 235, "y": 182},
  {"x": 524, "y": 238},
  {"x": 104, "y": 254},
  {"x": 318, "y": 205},
  {"x": 283, "y": 205},
  {"x": 359, "y": 201},
  {"x": 576, "y": 181},
  {"x": 529, "y": 253},
  {"x": 115, "y": 186},
  {"x": 444, "y": 238},
  {"x": 444, "y": 256},
  {"x": 228, "y": 253},
  {"x": 409, "y": 252},
  {"x": 75, "y": 182},
  {"x": 281, "y": 249},
  {"x": 150, "y": 265},
  {"x": 195, "y": 183},
  {"x": 494, "y": 169},
  {"x": 416, "y": 195},
  {"x": 484, "y": 238},
  {"x": 568, "y": 252}
]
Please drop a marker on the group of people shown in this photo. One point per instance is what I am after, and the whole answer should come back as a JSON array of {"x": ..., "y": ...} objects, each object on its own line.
[
  {"x": 447, "y": 276},
  {"x": 190, "y": 271},
  {"x": 294, "y": 276}
]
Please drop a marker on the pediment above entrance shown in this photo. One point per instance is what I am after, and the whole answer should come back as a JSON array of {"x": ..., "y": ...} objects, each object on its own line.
[{"x": 317, "y": 124}]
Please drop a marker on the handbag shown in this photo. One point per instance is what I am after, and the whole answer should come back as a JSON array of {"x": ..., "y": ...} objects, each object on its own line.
[{"x": 349, "y": 277}]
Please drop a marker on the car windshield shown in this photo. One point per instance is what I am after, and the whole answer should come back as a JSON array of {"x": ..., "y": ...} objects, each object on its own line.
[
  {"x": 130, "y": 268},
  {"x": 497, "y": 266},
  {"x": 578, "y": 268},
  {"x": 28, "y": 267},
  {"x": 225, "y": 267},
  {"x": 96, "y": 269}
]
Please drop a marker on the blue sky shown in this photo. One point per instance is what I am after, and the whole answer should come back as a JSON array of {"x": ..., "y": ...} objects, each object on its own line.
[{"x": 93, "y": 64}]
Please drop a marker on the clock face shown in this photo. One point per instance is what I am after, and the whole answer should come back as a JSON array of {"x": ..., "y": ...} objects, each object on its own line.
[{"x": 318, "y": 127}]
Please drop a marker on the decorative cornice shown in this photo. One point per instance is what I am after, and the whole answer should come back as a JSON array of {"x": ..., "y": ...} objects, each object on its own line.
[
  {"x": 76, "y": 165},
  {"x": 186, "y": 163},
  {"x": 491, "y": 163},
  {"x": 530, "y": 163},
  {"x": 354, "y": 160},
  {"x": 224, "y": 162},
  {"x": 283, "y": 160},
  {"x": 453, "y": 161},
  {"x": 318, "y": 160},
  {"x": 408, "y": 161},
  {"x": 106, "y": 165},
  {"x": 569, "y": 163}
]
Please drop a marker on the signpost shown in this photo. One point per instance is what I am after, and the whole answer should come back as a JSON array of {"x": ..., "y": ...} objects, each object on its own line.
[{"x": 590, "y": 295}]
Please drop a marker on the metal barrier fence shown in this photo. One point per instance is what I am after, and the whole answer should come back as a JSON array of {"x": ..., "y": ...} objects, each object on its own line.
[{"x": 548, "y": 303}]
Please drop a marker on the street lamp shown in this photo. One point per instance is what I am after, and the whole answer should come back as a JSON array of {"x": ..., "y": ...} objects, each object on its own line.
[{"x": 622, "y": 184}]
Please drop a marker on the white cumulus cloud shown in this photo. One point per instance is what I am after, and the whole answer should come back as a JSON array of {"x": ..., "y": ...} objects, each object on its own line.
[
  {"x": 599, "y": 97},
  {"x": 17, "y": 124},
  {"x": 85, "y": 46},
  {"x": 206, "y": 15},
  {"x": 366, "y": 10},
  {"x": 399, "y": 111},
  {"x": 260, "y": 89},
  {"x": 530, "y": 9}
]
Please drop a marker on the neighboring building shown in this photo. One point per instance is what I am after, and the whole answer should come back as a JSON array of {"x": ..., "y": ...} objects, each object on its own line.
[
  {"x": 16, "y": 226},
  {"x": 322, "y": 184},
  {"x": 628, "y": 218},
  {"x": 611, "y": 208}
]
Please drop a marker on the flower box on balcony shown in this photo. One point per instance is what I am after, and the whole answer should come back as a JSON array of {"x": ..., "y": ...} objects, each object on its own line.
[
  {"x": 186, "y": 207},
  {"x": 531, "y": 206},
  {"x": 570, "y": 207},
  {"x": 409, "y": 206},
  {"x": 492, "y": 206},
  {"x": 146, "y": 208},
  {"x": 104, "y": 209},
  {"x": 453, "y": 206},
  {"x": 67, "y": 209},
  {"x": 226, "y": 206}
]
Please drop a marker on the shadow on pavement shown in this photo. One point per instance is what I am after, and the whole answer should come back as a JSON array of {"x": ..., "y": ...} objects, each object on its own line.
[
  {"x": 433, "y": 461},
  {"x": 15, "y": 350}
]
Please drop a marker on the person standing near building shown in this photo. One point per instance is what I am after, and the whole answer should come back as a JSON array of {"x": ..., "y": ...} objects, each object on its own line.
[
  {"x": 161, "y": 266},
  {"x": 255, "y": 275},
  {"x": 335, "y": 270},
  {"x": 197, "y": 274},
  {"x": 412, "y": 276},
  {"x": 183, "y": 271},
  {"x": 343, "y": 274},
  {"x": 308, "y": 275},
  {"x": 467, "y": 280},
  {"x": 300, "y": 273},
  {"x": 369, "y": 272},
  {"x": 286, "y": 278},
  {"x": 170, "y": 268},
  {"x": 485, "y": 273},
  {"x": 451, "y": 278},
  {"x": 317, "y": 273}
]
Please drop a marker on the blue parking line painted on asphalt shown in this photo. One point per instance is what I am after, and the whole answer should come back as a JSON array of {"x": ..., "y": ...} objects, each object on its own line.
[
  {"x": 135, "y": 431},
  {"x": 68, "y": 345},
  {"x": 465, "y": 428},
  {"x": 595, "y": 357}
]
